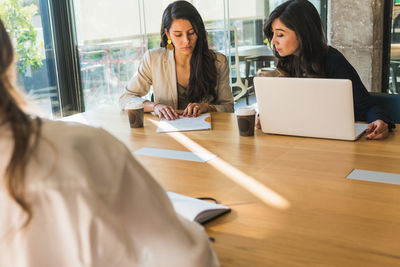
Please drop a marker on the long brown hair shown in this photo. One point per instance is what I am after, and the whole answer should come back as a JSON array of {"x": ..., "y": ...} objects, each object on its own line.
[
  {"x": 25, "y": 130},
  {"x": 203, "y": 72},
  {"x": 302, "y": 17}
]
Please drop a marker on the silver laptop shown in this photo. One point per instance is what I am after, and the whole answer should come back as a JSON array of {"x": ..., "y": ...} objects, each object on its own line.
[{"x": 310, "y": 107}]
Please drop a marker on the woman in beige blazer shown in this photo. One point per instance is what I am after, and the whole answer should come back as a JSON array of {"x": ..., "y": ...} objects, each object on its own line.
[{"x": 184, "y": 73}]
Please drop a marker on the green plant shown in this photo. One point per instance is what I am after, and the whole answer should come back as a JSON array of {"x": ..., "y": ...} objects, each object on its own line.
[{"x": 17, "y": 19}]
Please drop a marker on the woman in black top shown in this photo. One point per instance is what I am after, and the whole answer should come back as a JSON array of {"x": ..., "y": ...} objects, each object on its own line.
[{"x": 294, "y": 30}]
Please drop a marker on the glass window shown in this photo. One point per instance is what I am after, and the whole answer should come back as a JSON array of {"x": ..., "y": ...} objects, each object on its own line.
[
  {"x": 247, "y": 19},
  {"x": 153, "y": 10},
  {"x": 110, "y": 47},
  {"x": 28, "y": 25},
  {"x": 113, "y": 36}
]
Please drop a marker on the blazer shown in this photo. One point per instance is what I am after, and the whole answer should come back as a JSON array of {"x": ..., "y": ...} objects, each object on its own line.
[
  {"x": 93, "y": 205},
  {"x": 157, "y": 69}
]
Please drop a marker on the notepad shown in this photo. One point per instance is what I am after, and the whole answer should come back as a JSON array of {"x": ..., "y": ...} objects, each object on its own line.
[
  {"x": 202, "y": 122},
  {"x": 372, "y": 176},
  {"x": 175, "y": 154},
  {"x": 195, "y": 209}
]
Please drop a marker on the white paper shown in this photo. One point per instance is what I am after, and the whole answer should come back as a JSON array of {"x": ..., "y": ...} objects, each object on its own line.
[
  {"x": 372, "y": 176},
  {"x": 174, "y": 154},
  {"x": 202, "y": 122}
]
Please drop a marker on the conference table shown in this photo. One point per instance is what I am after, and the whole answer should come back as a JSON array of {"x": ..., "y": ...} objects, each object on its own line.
[{"x": 291, "y": 202}]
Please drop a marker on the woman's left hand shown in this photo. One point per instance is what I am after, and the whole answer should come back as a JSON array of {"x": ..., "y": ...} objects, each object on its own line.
[
  {"x": 377, "y": 130},
  {"x": 195, "y": 109}
]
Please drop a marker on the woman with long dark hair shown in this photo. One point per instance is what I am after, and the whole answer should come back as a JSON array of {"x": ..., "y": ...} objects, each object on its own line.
[
  {"x": 73, "y": 195},
  {"x": 184, "y": 73},
  {"x": 294, "y": 31}
]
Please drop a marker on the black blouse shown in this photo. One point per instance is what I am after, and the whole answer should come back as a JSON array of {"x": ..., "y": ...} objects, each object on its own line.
[{"x": 337, "y": 67}]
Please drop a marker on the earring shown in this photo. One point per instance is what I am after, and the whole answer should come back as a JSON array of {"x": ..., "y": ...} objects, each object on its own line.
[{"x": 169, "y": 45}]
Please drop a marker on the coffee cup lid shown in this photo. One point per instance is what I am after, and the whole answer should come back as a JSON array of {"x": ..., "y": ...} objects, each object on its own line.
[
  {"x": 245, "y": 111},
  {"x": 134, "y": 105}
]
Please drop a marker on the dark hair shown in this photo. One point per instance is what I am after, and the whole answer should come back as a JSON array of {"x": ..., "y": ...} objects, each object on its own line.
[
  {"x": 302, "y": 17},
  {"x": 22, "y": 126},
  {"x": 203, "y": 72}
]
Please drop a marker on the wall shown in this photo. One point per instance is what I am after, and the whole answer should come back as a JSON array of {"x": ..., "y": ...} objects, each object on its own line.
[{"x": 355, "y": 28}]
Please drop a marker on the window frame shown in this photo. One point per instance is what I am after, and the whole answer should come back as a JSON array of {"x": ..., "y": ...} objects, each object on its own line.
[
  {"x": 62, "y": 25},
  {"x": 386, "y": 42}
]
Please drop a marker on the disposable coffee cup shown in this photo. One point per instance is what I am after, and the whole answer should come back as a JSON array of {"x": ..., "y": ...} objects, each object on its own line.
[
  {"x": 135, "y": 114},
  {"x": 246, "y": 118}
]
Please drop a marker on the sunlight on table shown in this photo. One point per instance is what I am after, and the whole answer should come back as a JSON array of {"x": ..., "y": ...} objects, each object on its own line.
[{"x": 249, "y": 183}]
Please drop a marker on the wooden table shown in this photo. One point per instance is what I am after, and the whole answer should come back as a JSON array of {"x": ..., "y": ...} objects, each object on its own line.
[{"x": 291, "y": 202}]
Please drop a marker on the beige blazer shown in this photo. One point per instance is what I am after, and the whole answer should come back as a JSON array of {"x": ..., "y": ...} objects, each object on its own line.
[
  {"x": 157, "y": 69},
  {"x": 93, "y": 205}
]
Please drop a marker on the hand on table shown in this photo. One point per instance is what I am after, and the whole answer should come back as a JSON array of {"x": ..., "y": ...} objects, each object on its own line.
[
  {"x": 165, "y": 111},
  {"x": 195, "y": 109},
  {"x": 377, "y": 130}
]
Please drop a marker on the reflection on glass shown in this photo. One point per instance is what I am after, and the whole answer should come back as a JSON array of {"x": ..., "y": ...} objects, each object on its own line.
[
  {"x": 30, "y": 33},
  {"x": 110, "y": 47}
]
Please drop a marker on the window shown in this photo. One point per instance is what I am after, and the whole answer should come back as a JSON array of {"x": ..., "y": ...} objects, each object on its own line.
[
  {"x": 29, "y": 27},
  {"x": 110, "y": 44},
  {"x": 112, "y": 37},
  {"x": 102, "y": 42}
]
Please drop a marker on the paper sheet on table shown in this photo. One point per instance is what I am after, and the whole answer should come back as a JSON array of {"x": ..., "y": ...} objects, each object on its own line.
[
  {"x": 174, "y": 154},
  {"x": 202, "y": 122},
  {"x": 372, "y": 176}
]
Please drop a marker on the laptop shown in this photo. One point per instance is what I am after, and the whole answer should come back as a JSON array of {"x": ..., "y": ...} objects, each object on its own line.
[{"x": 310, "y": 107}]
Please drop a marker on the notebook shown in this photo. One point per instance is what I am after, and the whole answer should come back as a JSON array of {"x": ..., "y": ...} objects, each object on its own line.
[
  {"x": 309, "y": 107},
  {"x": 195, "y": 209}
]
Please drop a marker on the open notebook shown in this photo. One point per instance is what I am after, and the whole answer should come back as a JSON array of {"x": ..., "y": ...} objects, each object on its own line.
[{"x": 195, "y": 209}]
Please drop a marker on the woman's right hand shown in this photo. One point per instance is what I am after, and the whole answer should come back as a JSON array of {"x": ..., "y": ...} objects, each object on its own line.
[{"x": 165, "y": 111}]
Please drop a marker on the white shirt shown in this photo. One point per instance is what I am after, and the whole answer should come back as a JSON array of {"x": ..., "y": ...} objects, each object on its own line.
[{"x": 93, "y": 205}]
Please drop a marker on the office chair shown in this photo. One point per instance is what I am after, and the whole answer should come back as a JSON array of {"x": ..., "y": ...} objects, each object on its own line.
[{"x": 390, "y": 103}]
